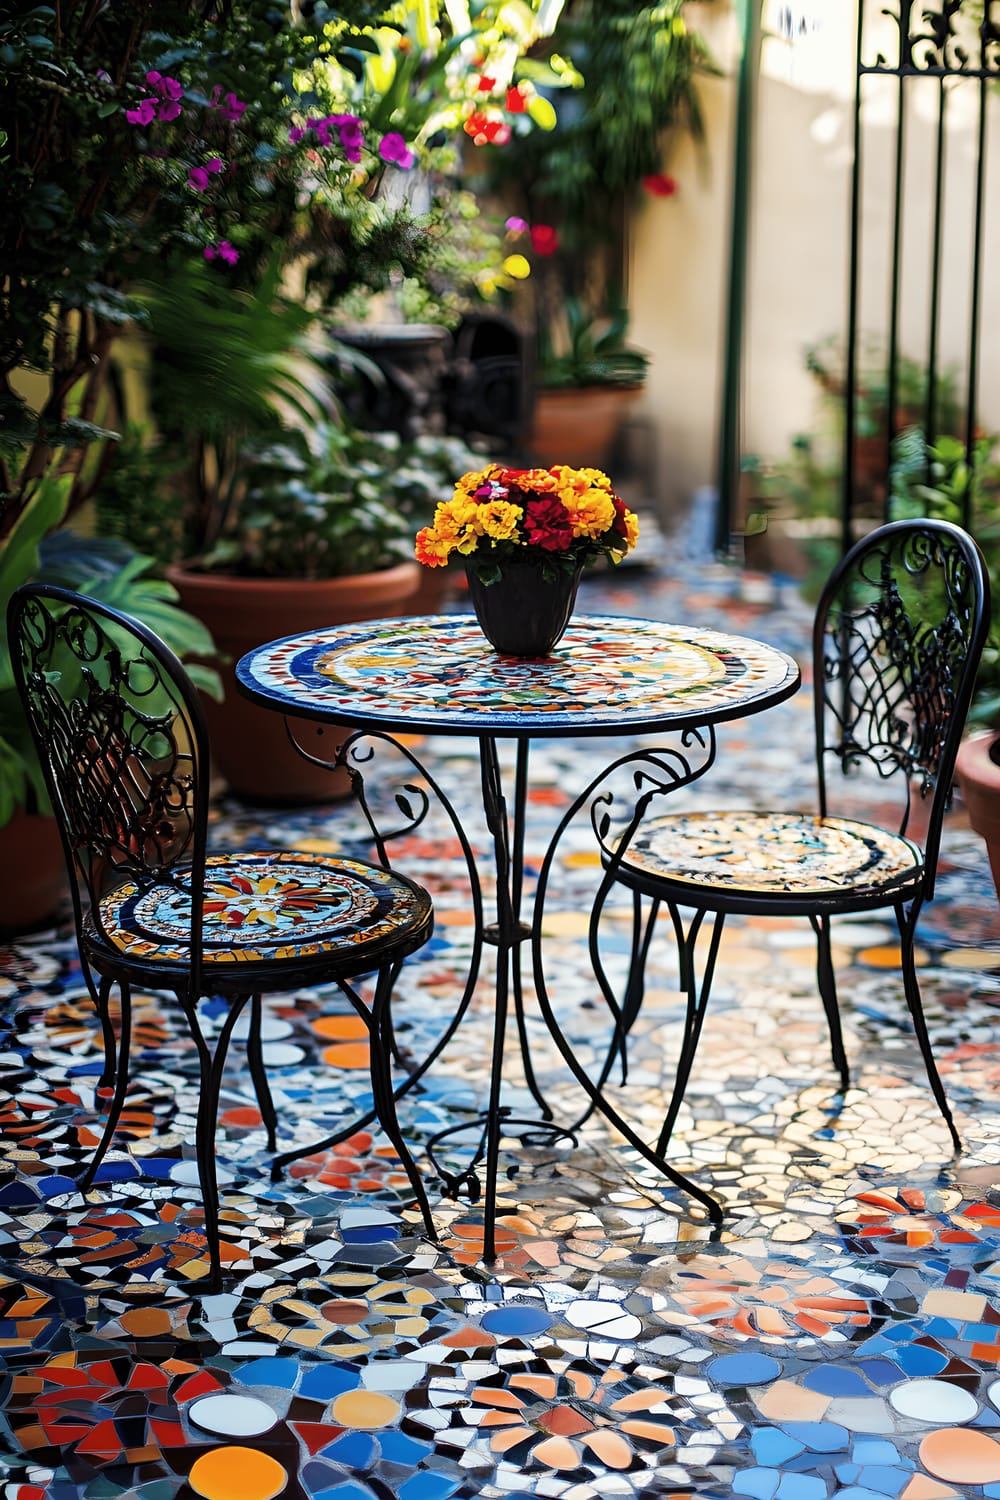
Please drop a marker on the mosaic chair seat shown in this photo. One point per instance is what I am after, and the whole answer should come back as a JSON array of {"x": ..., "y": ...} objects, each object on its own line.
[
  {"x": 898, "y": 634},
  {"x": 123, "y": 746}
]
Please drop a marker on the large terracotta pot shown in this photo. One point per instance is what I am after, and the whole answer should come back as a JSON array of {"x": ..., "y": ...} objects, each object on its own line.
[
  {"x": 250, "y": 748},
  {"x": 978, "y": 770},
  {"x": 578, "y": 426},
  {"x": 31, "y": 853}
]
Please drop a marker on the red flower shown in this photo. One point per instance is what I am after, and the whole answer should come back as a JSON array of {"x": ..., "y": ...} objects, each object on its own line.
[
  {"x": 485, "y": 131},
  {"x": 621, "y": 511},
  {"x": 515, "y": 101},
  {"x": 486, "y": 85},
  {"x": 544, "y": 239},
  {"x": 548, "y": 524},
  {"x": 660, "y": 185}
]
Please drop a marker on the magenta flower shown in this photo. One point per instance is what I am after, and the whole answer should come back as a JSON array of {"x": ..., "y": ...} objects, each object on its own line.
[
  {"x": 222, "y": 251},
  {"x": 296, "y": 134},
  {"x": 169, "y": 110},
  {"x": 516, "y": 225},
  {"x": 214, "y": 164},
  {"x": 393, "y": 148},
  {"x": 166, "y": 87},
  {"x": 231, "y": 108},
  {"x": 198, "y": 179},
  {"x": 143, "y": 114}
]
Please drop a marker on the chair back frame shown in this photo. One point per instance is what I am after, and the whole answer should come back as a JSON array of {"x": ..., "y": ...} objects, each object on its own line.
[
  {"x": 898, "y": 634},
  {"x": 123, "y": 746}
]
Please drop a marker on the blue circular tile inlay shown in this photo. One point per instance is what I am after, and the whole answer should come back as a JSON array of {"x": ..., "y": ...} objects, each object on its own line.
[
  {"x": 744, "y": 1369},
  {"x": 517, "y": 1322}
]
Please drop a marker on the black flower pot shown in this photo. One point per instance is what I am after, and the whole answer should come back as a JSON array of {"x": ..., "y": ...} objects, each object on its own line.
[{"x": 524, "y": 613}]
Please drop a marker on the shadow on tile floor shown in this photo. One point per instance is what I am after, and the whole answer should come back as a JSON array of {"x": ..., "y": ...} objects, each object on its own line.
[{"x": 841, "y": 1339}]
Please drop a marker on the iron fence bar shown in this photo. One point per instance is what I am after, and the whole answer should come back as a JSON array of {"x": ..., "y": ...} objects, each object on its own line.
[
  {"x": 972, "y": 384},
  {"x": 851, "y": 352},
  {"x": 930, "y": 418},
  {"x": 897, "y": 257}
]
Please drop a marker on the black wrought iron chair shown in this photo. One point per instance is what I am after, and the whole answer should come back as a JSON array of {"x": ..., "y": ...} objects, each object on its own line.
[
  {"x": 898, "y": 635},
  {"x": 124, "y": 749}
]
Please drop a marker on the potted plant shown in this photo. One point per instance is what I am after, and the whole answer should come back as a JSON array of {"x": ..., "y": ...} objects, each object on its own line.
[{"x": 939, "y": 480}]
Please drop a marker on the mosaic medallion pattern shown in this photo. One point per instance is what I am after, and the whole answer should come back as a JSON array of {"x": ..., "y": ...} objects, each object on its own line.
[
  {"x": 773, "y": 852},
  {"x": 839, "y": 1341},
  {"x": 262, "y": 907},
  {"x": 440, "y": 671}
]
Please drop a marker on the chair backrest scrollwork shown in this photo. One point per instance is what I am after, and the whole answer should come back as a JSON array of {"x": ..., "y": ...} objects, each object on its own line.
[
  {"x": 899, "y": 632},
  {"x": 122, "y": 743}
]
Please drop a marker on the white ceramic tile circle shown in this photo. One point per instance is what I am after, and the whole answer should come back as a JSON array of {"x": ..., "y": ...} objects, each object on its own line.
[
  {"x": 232, "y": 1416},
  {"x": 935, "y": 1401},
  {"x": 282, "y": 1054},
  {"x": 604, "y": 1319},
  {"x": 271, "y": 1029},
  {"x": 186, "y": 1172}
]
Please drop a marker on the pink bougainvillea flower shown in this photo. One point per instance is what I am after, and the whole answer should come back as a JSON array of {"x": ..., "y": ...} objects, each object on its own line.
[
  {"x": 393, "y": 147},
  {"x": 222, "y": 251},
  {"x": 544, "y": 239},
  {"x": 198, "y": 179},
  {"x": 296, "y": 134},
  {"x": 143, "y": 114},
  {"x": 516, "y": 104},
  {"x": 168, "y": 110},
  {"x": 516, "y": 225},
  {"x": 660, "y": 185},
  {"x": 230, "y": 108},
  {"x": 214, "y": 164}
]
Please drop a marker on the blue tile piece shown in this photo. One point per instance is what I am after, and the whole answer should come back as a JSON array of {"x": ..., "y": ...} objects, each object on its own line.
[
  {"x": 772, "y": 1447},
  {"x": 369, "y": 1234},
  {"x": 874, "y": 1451},
  {"x": 847, "y": 1473},
  {"x": 879, "y": 1371},
  {"x": 986, "y": 1418},
  {"x": 981, "y": 1333},
  {"x": 159, "y": 1167},
  {"x": 992, "y": 1491},
  {"x": 397, "y": 1448},
  {"x": 325, "y": 1381},
  {"x": 821, "y": 1437},
  {"x": 802, "y": 1487},
  {"x": 271, "y": 1371},
  {"x": 346, "y": 1490},
  {"x": 836, "y": 1380},
  {"x": 759, "y": 1484},
  {"x": 18, "y": 1195},
  {"x": 355, "y": 1450},
  {"x": 117, "y": 1171},
  {"x": 517, "y": 1322},
  {"x": 859, "y": 1492},
  {"x": 917, "y": 1359},
  {"x": 51, "y": 1187},
  {"x": 743, "y": 1369},
  {"x": 901, "y": 1333},
  {"x": 886, "y": 1480},
  {"x": 425, "y": 1486}
]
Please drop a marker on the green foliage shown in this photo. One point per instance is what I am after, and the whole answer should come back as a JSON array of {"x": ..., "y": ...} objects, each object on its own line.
[
  {"x": 940, "y": 481},
  {"x": 825, "y": 362},
  {"x": 596, "y": 355},
  {"x": 336, "y": 503}
]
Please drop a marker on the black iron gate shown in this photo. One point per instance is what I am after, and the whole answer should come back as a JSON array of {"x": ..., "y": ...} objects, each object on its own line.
[{"x": 938, "y": 45}]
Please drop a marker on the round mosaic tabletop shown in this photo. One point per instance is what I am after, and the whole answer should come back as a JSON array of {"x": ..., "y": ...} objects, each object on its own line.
[{"x": 608, "y": 673}]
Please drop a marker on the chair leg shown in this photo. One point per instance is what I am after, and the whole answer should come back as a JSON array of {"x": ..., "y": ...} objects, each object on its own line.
[
  {"x": 697, "y": 1004},
  {"x": 906, "y": 921},
  {"x": 255, "y": 1058},
  {"x": 212, "y": 1066},
  {"x": 828, "y": 993},
  {"x": 108, "y": 1073},
  {"x": 380, "y": 1032},
  {"x": 120, "y": 1074}
]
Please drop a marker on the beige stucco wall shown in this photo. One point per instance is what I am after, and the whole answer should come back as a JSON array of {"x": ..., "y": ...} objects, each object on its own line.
[{"x": 797, "y": 284}]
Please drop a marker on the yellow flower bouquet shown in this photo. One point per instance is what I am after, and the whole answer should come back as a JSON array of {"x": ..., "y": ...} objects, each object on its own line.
[{"x": 561, "y": 517}]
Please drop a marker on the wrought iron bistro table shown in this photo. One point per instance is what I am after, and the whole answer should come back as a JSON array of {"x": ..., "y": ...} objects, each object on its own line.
[{"x": 609, "y": 676}]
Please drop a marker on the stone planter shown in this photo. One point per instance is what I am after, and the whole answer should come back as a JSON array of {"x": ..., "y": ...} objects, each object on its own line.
[
  {"x": 250, "y": 748},
  {"x": 31, "y": 852}
]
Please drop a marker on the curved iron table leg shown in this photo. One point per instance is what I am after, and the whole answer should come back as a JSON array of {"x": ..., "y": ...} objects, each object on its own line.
[
  {"x": 255, "y": 1059},
  {"x": 120, "y": 1076}
]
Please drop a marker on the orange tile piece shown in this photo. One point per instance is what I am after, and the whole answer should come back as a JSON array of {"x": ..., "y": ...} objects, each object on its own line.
[
  {"x": 556, "y": 1453},
  {"x": 961, "y": 1455},
  {"x": 236, "y": 1473}
]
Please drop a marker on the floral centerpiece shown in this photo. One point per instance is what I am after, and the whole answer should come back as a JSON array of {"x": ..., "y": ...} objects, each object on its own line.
[{"x": 525, "y": 536}]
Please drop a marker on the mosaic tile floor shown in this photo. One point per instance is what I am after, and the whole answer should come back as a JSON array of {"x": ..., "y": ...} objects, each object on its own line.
[{"x": 842, "y": 1338}]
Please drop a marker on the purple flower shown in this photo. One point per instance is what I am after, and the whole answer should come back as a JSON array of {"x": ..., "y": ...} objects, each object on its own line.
[
  {"x": 103, "y": 76},
  {"x": 214, "y": 164},
  {"x": 145, "y": 114},
  {"x": 231, "y": 108},
  {"x": 296, "y": 134},
  {"x": 198, "y": 179},
  {"x": 516, "y": 225},
  {"x": 392, "y": 147},
  {"x": 169, "y": 110},
  {"x": 167, "y": 88},
  {"x": 222, "y": 251},
  {"x": 323, "y": 132}
]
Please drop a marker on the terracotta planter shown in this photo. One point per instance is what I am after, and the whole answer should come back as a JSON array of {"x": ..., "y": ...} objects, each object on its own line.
[
  {"x": 979, "y": 779},
  {"x": 31, "y": 849},
  {"x": 250, "y": 748},
  {"x": 578, "y": 426}
]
